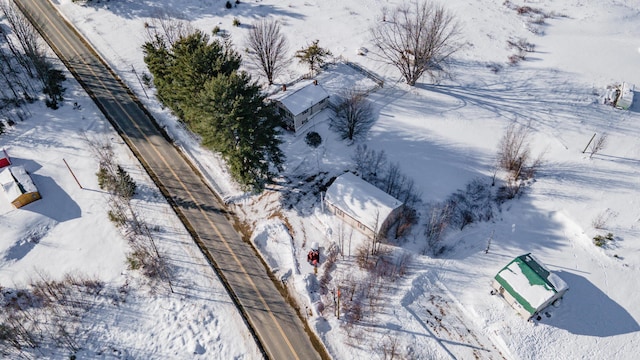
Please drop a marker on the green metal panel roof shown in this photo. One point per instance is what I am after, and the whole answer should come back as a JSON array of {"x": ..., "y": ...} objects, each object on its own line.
[{"x": 528, "y": 286}]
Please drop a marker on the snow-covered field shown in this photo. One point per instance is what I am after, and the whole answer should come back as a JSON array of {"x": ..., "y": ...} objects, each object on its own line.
[{"x": 442, "y": 135}]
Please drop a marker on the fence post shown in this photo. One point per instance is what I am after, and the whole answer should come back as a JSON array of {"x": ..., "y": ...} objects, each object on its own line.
[
  {"x": 585, "y": 148},
  {"x": 72, "y": 174}
]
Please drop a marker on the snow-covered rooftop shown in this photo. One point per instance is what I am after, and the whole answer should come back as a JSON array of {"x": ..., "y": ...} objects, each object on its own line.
[
  {"x": 301, "y": 96},
  {"x": 15, "y": 181},
  {"x": 531, "y": 281},
  {"x": 626, "y": 96},
  {"x": 361, "y": 200},
  {"x": 4, "y": 155}
]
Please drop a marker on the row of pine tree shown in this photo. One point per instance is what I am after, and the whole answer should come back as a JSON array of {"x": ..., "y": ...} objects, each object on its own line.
[{"x": 199, "y": 79}]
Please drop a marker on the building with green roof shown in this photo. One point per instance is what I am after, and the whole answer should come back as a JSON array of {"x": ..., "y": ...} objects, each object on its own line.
[{"x": 528, "y": 286}]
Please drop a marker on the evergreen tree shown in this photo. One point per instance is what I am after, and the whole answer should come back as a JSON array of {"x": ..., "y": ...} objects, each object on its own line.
[
  {"x": 53, "y": 87},
  {"x": 158, "y": 60},
  {"x": 233, "y": 118},
  {"x": 181, "y": 72},
  {"x": 125, "y": 186},
  {"x": 313, "y": 55},
  {"x": 199, "y": 81}
]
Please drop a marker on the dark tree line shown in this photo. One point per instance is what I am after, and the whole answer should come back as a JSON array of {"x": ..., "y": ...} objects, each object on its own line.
[{"x": 199, "y": 80}]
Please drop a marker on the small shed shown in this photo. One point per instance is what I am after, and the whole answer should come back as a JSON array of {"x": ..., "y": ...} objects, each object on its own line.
[
  {"x": 362, "y": 205},
  {"x": 18, "y": 186},
  {"x": 625, "y": 98},
  {"x": 299, "y": 103},
  {"x": 4, "y": 159},
  {"x": 528, "y": 286}
]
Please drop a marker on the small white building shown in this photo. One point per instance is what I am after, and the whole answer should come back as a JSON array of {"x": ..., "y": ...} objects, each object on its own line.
[
  {"x": 362, "y": 205},
  {"x": 5, "y": 160},
  {"x": 18, "y": 186},
  {"x": 299, "y": 103},
  {"x": 625, "y": 98},
  {"x": 528, "y": 286}
]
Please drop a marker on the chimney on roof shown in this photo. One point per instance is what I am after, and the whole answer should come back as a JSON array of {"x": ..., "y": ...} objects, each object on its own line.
[
  {"x": 315, "y": 82},
  {"x": 284, "y": 87}
]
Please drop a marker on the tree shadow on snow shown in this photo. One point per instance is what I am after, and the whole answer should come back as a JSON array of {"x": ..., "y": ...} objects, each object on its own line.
[
  {"x": 544, "y": 98},
  {"x": 55, "y": 203},
  {"x": 188, "y": 10},
  {"x": 586, "y": 310},
  {"x": 59, "y": 205}
]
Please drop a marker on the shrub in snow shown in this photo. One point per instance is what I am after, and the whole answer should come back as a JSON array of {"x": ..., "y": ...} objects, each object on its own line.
[
  {"x": 508, "y": 191},
  {"x": 146, "y": 80},
  {"x": 600, "y": 221},
  {"x": 46, "y": 314},
  {"x": 515, "y": 59},
  {"x": 601, "y": 241},
  {"x": 313, "y": 139},
  {"x": 514, "y": 154},
  {"x": 117, "y": 217},
  {"x": 364, "y": 259},
  {"x": 473, "y": 204},
  {"x": 228, "y": 5},
  {"x": 119, "y": 182},
  {"x": 236, "y": 22}
]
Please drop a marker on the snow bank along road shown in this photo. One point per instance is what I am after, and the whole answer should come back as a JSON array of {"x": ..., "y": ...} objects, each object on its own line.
[{"x": 278, "y": 329}]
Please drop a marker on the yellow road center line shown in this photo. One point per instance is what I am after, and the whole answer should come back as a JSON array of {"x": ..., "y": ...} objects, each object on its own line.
[{"x": 185, "y": 188}]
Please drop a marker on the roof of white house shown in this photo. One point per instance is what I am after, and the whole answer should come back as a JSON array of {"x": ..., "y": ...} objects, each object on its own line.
[
  {"x": 15, "y": 181},
  {"x": 626, "y": 96},
  {"x": 361, "y": 200},
  {"x": 530, "y": 282},
  {"x": 301, "y": 96}
]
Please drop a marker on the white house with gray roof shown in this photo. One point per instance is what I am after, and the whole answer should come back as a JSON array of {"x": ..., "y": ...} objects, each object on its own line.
[{"x": 299, "y": 103}]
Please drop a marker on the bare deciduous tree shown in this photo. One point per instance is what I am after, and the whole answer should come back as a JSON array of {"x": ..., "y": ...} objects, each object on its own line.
[
  {"x": 268, "y": 47},
  {"x": 598, "y": 144},
  {"x": 416, "y": 38},
  {"x": 369, "y": 162},
  {"x": 168, "y": 29},
  {"x": 438, "y": 220},
  {"x": 354, "y": 115},
  {"x": 32, "y": 55},
  {"x": 513, "y": 150}
]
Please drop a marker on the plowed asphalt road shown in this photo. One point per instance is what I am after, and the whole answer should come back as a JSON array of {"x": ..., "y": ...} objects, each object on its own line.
[{"x": 278, "y": 329}]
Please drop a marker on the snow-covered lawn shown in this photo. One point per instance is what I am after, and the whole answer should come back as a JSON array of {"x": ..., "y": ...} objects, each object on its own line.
[
  {"x": 68, "y": 232},
  {"x": 442, "y": 136}
]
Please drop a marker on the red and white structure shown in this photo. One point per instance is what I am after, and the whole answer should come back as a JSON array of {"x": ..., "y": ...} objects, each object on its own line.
[{"x": 4, "y": 158}]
